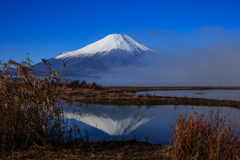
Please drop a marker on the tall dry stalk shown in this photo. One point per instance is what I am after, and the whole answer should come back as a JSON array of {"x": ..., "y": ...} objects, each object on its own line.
[
  {"x": 205, "y": 136},
  {"x": 30, "y": 110}
]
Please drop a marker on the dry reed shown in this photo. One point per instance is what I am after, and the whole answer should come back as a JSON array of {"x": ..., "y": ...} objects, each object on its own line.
[
  {"x": 205, "y": 136},
  {"x": 30, "y": 109}
]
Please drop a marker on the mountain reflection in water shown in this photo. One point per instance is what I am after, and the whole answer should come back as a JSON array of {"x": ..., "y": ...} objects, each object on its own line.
[
  {"x": 104, "y": 122},
  {"x": 112, "y": 120}
]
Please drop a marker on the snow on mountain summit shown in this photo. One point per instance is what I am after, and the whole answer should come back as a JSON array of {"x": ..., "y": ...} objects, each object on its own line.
[
  {"x": 113, "y": 51},
  {"x": 111, "y": 42}
]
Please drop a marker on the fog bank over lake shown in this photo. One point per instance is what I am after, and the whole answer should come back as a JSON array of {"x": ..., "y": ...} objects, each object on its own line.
[
  {"x": 208, "y": 56},
  {"x": 198, "y": 69}
]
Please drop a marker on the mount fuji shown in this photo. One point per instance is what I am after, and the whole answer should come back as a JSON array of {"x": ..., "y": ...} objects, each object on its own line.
[{"x": 112, "y": 51}]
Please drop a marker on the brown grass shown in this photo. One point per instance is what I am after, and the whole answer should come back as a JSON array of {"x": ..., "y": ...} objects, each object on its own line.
[
  {"x": 205, "y": 136},
  {"x": 102, "y": 150},
  {"x": 30, "y": 111}
]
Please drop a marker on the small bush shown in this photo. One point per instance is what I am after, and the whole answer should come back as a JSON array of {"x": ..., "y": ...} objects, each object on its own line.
[
  {"x": 201, "y": 136},
  {"x": 76, "y": 84}
]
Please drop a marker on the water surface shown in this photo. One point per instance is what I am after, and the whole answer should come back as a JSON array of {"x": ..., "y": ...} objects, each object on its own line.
[{"x": 104, "y": 122}]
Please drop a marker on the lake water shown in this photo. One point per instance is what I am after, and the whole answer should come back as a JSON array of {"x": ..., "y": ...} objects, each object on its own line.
[
  {"x": 104, "y": 122},
  {"x": 210, "y": 94}
]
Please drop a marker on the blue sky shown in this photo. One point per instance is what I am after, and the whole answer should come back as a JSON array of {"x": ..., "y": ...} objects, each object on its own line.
[{"x": 45, "y": 28}]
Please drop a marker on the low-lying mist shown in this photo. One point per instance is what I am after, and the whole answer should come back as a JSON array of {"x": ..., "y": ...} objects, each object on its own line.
[
  {"x": 176, "y": 70},
  {"x": 208, "y": 56}
]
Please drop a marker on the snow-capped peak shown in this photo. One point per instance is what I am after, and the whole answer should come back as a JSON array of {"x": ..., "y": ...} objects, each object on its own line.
[{"x": 111, "y": 42}]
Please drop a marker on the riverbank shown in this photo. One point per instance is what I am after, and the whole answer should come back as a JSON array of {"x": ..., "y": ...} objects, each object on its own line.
[{"x": 125, "y": 96}]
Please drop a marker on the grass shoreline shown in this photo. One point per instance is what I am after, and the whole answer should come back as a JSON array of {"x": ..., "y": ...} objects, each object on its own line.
[
  {"x": 122, "y": 96},
  {"x": 137, "y": 89}
]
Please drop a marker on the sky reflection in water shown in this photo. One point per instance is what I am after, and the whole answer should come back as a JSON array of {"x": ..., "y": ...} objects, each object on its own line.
[{"x": 104, "y": 122}]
